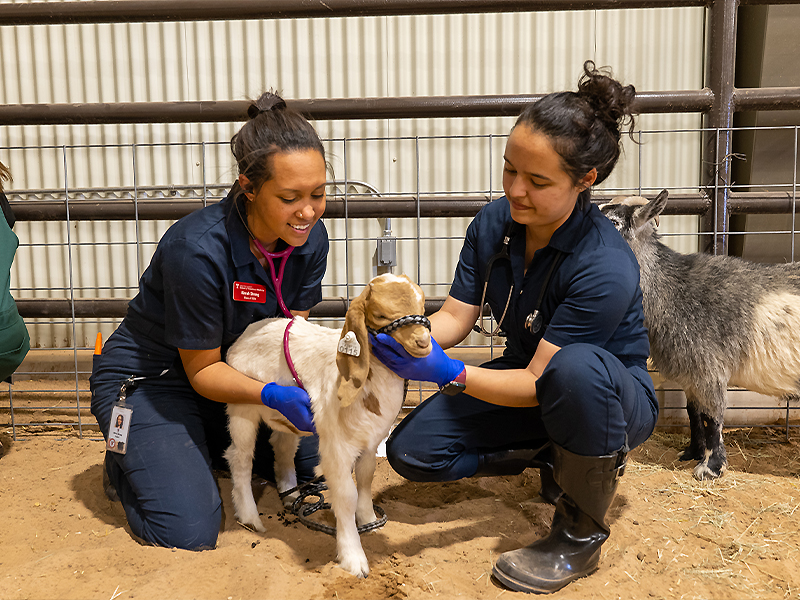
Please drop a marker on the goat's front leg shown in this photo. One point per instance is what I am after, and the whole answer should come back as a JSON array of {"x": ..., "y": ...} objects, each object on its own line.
[
  {"x": 696, "y": 449},
  {"x": 243, "y": 426},
  {"x": 715, "y": 460},
  {"x": 344, "y": 500},
  {"x": 284, "y": 445},
  {"x": 365, "y": 472}
]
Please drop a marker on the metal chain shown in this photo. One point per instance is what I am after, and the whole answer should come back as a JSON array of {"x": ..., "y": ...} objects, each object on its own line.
[{"x": 302, "y": 510}]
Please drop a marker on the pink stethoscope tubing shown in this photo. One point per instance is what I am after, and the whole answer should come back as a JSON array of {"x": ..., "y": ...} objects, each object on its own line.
[{"x": 277, "y": 279}]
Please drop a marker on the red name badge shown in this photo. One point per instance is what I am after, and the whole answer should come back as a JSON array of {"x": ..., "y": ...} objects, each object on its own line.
[{"x": 249, "y": 292}]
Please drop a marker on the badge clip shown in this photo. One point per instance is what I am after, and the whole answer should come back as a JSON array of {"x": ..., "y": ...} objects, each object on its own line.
[{"x": 121, "y": 415}]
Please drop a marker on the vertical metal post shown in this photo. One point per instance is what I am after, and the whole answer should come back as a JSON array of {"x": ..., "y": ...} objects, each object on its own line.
[
  {"x": 794, "y": 196},
  {"x": 347, "y": 281},
  {"x": 794, "y": 233},
  {"x": 139, "y": 270},
  {"x": 205, "y": 185},
  {"x": 11, "y": 408},
  {"x": 639, "y": 176},
  {"x": 718, "y": 122},
  {"x": 71, "y": 277},
  {"x": 491, "y": 199}
]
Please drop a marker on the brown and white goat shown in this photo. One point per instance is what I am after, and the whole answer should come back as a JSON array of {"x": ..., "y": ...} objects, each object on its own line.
[
  {"x": 355, "y": 400},
  {"x": 712, "y": 321}
]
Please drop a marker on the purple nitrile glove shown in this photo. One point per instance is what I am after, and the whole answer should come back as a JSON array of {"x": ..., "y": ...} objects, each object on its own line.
[
  {"x": 436, "y": 367},
  {"x": 292, "y": 402}
]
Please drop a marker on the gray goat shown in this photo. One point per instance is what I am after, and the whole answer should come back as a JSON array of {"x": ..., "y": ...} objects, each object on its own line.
[{"x": 713, "y": 321}]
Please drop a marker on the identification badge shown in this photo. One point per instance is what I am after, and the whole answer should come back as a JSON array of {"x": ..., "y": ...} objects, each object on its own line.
[
  {"x": 118, "y": 429},
  {"x": 249, "y": 292}
]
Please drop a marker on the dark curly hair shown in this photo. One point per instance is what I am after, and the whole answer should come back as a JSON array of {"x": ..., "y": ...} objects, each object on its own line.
[
  {"x": 272, "y": 128},
  {"x": 585, "y": 127}
]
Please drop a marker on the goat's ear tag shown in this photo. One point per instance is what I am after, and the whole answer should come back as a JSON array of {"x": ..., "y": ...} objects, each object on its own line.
[{"x": 349, "y": 344}]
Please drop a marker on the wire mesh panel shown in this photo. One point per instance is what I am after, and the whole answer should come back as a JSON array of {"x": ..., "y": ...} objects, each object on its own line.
[{"x": 104, "y": 258}]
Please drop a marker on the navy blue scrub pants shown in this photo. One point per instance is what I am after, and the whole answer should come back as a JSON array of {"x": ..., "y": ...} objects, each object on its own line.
[
  {"x": 176, "y": 437},
  {"x": 588, "y": 403}
]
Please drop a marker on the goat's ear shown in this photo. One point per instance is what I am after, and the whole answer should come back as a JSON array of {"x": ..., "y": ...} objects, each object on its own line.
[
  {"x": 651, "y": 210},
  {"x": 354, "y": 370}
]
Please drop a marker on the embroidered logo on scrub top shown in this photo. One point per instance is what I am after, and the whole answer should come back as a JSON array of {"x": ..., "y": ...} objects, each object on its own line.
[{"x": 249, "y": 292}]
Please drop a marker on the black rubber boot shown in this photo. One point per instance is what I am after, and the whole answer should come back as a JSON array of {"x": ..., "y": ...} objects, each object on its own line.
[
  {"x": 550, "y": 490},
  {"x": 515, "y": 461},
  {"x": 572, "y": 548}
]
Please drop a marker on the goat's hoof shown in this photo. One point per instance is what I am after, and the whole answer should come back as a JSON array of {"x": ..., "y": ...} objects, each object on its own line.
[
  {"x": 371, "y": 517},
  {"x": 356, "y": 565},
  {"x": 690, "y": 453},
  {"x": 289, "y": 500},
  {"x": 703, "y": 472},
  {"x": 254, "y": 525}
]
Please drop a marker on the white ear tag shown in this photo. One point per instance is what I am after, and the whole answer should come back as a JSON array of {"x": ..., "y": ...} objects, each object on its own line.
[{"x": 349, "y": 344}]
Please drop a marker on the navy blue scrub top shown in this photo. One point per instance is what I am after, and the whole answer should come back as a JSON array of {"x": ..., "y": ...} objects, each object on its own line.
[
  {"x": 593, "y": 296},
  {"x": 186, "y": 295}
]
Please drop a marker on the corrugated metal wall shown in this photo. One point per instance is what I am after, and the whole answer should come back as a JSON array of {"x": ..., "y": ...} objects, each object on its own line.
[{"x": 655, "y": 49}]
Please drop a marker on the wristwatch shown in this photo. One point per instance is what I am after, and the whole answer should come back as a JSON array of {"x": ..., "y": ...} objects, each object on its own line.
[{"x": 457, "y": 385}]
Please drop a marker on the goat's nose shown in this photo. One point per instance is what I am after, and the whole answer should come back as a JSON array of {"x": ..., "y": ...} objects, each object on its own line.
[{"x": 424, "y": 340}]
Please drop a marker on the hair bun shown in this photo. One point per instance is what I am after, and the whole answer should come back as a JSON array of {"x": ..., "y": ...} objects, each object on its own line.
[
  {"x": 607, "y": 97},
  {"x": 267, "y": 102}
]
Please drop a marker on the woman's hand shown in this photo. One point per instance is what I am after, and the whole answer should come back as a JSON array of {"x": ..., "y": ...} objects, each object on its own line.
[
  {"x": 436, "y": 367},
  {"x": 292, "y": 402},
  {"x": 218, "y": 381}
]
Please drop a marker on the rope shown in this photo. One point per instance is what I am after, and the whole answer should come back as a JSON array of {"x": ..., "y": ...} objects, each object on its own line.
[{"x": 302, "y": 509}]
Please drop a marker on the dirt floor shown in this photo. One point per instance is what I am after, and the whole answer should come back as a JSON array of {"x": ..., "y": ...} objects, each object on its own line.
[{"x": 672, "y": 536}]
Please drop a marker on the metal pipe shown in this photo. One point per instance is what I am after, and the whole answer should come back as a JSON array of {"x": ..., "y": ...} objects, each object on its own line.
[
  {"x": 768, "y": 98},
  {"x": 138, "y": 11},
  {"x": 685, "y": 101},
  {"x": 331, "y": 109},
  {"x": 717, "y": 143},
  {"x": 363, "y": 208},
  {"x": 116, "y": 308},
  {"x": 116, "y": 210}
]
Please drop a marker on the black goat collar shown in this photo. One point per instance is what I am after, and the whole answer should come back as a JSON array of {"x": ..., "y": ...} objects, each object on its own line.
[{"x": 402, "y": 322}]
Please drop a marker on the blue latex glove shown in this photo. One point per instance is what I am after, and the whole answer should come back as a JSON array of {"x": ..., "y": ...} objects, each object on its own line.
[
  {"x": 436, "y": 367},
  {"x": 292, "y": 402}
]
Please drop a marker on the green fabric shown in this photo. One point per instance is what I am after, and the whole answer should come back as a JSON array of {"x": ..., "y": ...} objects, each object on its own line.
[{"x": 14, "y": 338}]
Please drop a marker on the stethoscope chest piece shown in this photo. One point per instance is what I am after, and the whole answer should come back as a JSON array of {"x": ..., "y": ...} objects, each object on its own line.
[{"x": 533, "y": 322}]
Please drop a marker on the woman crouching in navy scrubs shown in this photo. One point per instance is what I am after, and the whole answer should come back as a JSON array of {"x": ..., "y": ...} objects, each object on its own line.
[
  {"x": 208, "y": 280},
  {"x": 571, "y": 393}
]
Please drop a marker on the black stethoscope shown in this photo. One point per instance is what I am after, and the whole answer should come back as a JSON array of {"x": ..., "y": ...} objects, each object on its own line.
[{"x": 533, "y": 322}]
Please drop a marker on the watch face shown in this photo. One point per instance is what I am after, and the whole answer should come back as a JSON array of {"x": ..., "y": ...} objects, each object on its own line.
[{"x": 453, "y": 388}]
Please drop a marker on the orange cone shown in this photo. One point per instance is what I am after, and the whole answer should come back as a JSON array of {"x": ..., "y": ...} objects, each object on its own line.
[{"x": 98, "y": 344}]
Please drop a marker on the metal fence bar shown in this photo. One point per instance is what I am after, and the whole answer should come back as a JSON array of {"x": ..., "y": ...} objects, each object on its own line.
[
  {"x": 719, "y": 77},
  {"x": 719, "y": 100},
  {"x": 71, "y": 279},
  {"x": 334, "y": 109},
  {"x": 462, "y": 205},
  {"x": 145, "y": 11},
  {"x": 126, "y": 11}
]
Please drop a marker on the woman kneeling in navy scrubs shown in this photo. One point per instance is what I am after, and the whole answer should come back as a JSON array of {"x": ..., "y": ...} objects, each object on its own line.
[
  {"x": 571, "y": 393},
  {"x": 210, "y": 277}
]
